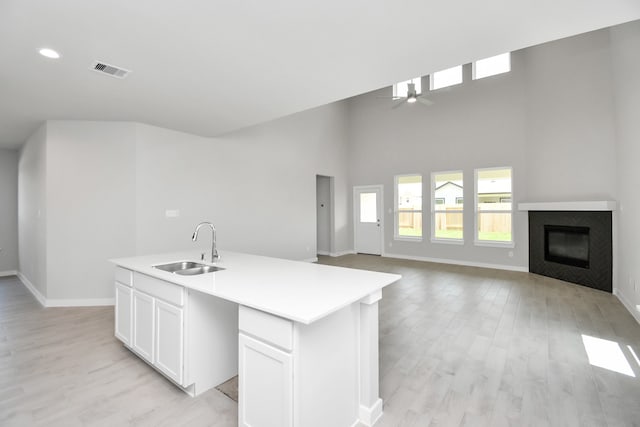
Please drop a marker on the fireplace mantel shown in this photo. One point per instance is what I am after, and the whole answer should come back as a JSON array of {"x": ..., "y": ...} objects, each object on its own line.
[{"x": 604, "y": 205}]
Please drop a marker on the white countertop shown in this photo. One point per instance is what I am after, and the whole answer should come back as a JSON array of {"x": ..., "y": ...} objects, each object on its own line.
[{"x": 296, "y": 290}]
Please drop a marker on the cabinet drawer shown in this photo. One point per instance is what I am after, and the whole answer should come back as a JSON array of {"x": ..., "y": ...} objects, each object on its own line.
[
  {"x": 266, "y": 327},
  {"x": 159, "y": 289},
  {"x": 123, "y": 276}
]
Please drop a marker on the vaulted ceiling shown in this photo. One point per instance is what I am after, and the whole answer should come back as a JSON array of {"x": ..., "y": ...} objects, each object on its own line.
[{"x": 209, "y": 67}]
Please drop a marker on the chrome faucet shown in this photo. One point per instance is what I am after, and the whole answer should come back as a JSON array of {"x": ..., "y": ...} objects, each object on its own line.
[{"x": 214, "y": 251}]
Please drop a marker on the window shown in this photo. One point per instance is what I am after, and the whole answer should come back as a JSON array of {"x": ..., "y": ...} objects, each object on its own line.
[
  {"x": 493, "y": 206},
  {"x": 400, "y": 90},
  {"x": 449, "y": 77},
  {"x": 447, "y": 208},
  {"x": 491, "y": 66},
  {"x": 408, "y": 215}
]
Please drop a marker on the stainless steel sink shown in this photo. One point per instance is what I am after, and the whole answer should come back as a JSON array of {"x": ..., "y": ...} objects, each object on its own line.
[{"x": 187, "y": 268}]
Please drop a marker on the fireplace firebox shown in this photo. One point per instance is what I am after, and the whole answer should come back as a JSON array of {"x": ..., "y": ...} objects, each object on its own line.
[{"x": 575, "y": 246}]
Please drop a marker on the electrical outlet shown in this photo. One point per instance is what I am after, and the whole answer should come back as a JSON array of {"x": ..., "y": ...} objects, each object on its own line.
[
  {"x": 510, "y": 254},
  {"x": 172, "y": 213}
]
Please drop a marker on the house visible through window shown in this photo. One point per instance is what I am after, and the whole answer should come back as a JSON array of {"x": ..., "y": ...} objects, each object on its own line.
[
  {"x": 400, "y": 90},
  {"x": 408, "y": 209},
  {"x": 449, "y": 77},
  {"x": 447, "y": 208},
  {"x": 491, "y": 66},
  {"x": 493, "y": 205}
]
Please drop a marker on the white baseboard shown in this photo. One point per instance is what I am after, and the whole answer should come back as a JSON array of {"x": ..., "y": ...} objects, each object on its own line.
[
  {"x": 628, "y": 305},
  {"x": 341, "y": 253},
  {"x": 34, "y": 291},
  {"x": 87, "y": 302},
  {"x": 458, "y": 262},
  {"x": 369, "y": 416},
  {"x": 8, "y": 273},
  {"x": 314, "y": 259},
  {"x": 80, "y": 302},
  {"x": 336, "y": 254}
]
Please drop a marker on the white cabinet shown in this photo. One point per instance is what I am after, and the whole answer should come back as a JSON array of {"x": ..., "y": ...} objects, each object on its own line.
[
  {"x": 143, "y": 325},
  {"x": 190, "y": 337},
  {"x": 266, "y": 385},
  {"x": 123, "y": 313},
  {"x": 169, "y": 348}
]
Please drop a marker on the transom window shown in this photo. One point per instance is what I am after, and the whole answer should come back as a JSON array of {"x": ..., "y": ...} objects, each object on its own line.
[
  {"x": 491, "y": 66},
  {"x": 408, "y": 206},
  {"x": 449, "y": 77},
  {"x": 447, "y": 207}
]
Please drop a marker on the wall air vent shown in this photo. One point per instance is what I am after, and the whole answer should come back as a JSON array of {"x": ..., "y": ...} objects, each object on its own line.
[{"x": 110, "y": 70}]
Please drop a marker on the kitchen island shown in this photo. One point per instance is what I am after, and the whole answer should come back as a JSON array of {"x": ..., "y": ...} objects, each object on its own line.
[{"x": 302, "y": 337}]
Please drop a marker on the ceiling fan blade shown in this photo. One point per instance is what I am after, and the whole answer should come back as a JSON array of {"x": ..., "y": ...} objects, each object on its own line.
[
  {"x": 424, "y": 101},
  {"x": 397, "y": 104}
]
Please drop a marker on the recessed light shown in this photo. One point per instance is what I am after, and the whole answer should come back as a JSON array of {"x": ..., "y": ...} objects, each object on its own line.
[{"x": 49, "y": 53}]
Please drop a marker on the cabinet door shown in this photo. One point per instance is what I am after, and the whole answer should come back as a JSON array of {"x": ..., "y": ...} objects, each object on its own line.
[
  {"x": 123, "y": 313},
  {"x": 170, "y": 340},
  {"x": 266, "y": 385},
  {"x": 143, "y": 325}
]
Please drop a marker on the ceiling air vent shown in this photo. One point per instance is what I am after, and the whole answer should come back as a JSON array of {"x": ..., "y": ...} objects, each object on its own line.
[{"x": 110, "y": 70}]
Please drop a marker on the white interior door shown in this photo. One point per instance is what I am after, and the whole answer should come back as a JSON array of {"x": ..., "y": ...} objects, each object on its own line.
[{"x": 368, "y": 216}]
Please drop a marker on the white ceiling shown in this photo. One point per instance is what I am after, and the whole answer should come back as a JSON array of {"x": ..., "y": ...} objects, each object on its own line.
[{"x": 212, "y": 66}]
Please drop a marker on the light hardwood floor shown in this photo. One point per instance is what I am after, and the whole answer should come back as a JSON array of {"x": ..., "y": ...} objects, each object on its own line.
[{"x": 460, "y": 346}]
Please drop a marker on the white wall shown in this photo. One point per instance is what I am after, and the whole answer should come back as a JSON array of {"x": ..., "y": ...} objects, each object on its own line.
[
  {"x": 32, "y": 211},
  {"x": 570, "y": 150},
  {"x": 257, "y": 186},
  {"x": 8, "y": 210},
  {"x": 625, "y": 40},
  {"x": 102, "y": 189},
  {"x": 90, "y": 206},
  {"x": 556, "y": 101}
]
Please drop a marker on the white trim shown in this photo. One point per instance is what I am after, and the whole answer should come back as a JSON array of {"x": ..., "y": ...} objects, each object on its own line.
[
  {"x": 629, "y": 306},
  {"x": 476, "y": 241},
  {"x": 494, "y": 243},
  {"x": 459, "y": 242},
  {"x": 602, "y": 205},
  {"x": 80, "y": 302},
  {"x": 34, "y": 291},
  {"x": 435, "y": 239},
  {"x": 341, "y": 253},
  {"x": 459, "y": 262},
  {"x": 325, "y": 253},
  {"x": 377, "y": 187},
  {"x": 8, "y": 273},
  {"x": 314, "y": 259},
  {"x": 370, "y": 416},
  {"x": 409, "y": 238},
  {"x": 396, "y": 211}
]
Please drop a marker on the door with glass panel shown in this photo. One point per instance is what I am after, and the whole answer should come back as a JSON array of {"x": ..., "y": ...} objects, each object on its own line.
[{"x": 368, "y": 216}]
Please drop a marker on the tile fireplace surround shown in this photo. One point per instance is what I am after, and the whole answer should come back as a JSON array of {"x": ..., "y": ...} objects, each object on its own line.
[{"x": 594, "y": 246}]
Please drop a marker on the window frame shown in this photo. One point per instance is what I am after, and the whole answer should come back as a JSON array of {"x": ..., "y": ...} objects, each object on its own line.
[
  {"x": 434, "y": 211},
  {"x": 432, "y": 78},
  {"x": 474, "y": 67},
  {"x": 396, "y": 210},
  {"x": 491, "y": 243}
]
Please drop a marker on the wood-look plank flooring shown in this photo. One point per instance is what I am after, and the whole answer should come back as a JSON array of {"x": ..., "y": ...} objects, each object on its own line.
[{"x": 459, "y": 346}]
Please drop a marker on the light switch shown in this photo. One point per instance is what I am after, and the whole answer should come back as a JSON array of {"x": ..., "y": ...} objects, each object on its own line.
[{"x": 172, "y": 213}]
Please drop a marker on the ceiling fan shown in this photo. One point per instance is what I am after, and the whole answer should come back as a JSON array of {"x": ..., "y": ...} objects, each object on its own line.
[{"x": 412, "y": 97}]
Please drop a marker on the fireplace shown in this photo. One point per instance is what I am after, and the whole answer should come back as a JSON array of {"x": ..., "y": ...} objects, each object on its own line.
[
  {"x": 574, "y": 246},
  {"x": 566, "y": 245}
]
